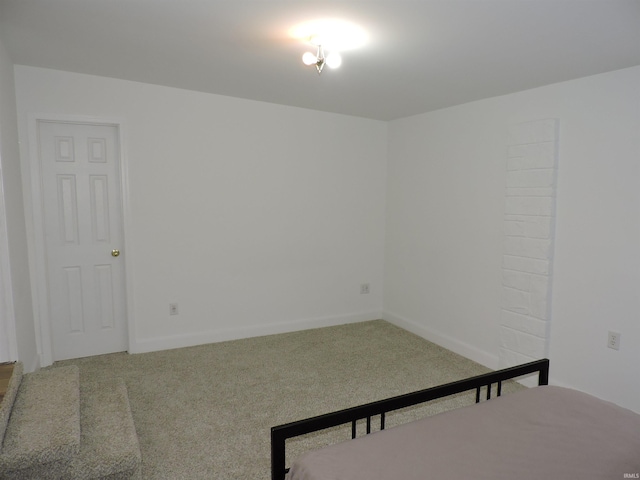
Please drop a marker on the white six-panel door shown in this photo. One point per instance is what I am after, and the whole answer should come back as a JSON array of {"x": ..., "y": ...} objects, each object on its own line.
[{"x": 82, "y": 208}]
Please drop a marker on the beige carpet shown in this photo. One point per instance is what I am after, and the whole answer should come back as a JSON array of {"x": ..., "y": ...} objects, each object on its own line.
[{"x": 205, "y": 412}]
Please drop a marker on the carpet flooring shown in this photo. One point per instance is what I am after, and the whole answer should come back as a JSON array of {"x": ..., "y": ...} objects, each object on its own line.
[{"x": 205, "y": 412}]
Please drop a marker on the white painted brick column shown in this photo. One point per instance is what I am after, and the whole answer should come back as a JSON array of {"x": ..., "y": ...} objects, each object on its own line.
[{"x": 529, "y": 222}]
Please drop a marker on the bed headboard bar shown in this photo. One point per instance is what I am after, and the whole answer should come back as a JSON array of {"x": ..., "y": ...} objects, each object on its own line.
[{"x": 281, "y": 433}]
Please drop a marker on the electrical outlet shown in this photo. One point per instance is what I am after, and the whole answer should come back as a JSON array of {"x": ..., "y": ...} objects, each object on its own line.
[
  {"x": 173, "y": 309},
  {"x": 614, "y": 340},
  {"x": 364, "y": 289}
]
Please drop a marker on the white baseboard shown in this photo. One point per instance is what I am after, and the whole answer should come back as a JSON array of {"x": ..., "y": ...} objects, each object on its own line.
[
  {"x": 445, "y": 341},
  {"x": 221, "y": 335}
]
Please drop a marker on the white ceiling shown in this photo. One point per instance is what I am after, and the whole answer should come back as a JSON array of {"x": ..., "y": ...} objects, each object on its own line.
[{"x": 423, "y": 54}]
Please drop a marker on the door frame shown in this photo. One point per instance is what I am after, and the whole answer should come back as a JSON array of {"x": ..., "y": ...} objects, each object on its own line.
[{"x": 36, "y": 235}]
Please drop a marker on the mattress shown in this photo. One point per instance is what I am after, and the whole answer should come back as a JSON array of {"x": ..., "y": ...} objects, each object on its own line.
[{"x": 544, "y": 432}]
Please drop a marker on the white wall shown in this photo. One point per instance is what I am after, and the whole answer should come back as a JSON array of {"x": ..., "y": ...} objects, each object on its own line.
[
  {"x": 238, "y": 218},
  {"x": 255, "y": 218},
  {"x": 8, "y": 343},
  {"x": 445, "y": 206},
  {"x": 444, "y": 216},
  {"x": 16, "y": 304}
]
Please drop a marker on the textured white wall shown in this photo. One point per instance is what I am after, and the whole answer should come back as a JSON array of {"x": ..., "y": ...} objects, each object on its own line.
[
  {"x": 445, "y": 206},
  {"x": 529, "y": 230},
  {"x": 255, "y": 218}
]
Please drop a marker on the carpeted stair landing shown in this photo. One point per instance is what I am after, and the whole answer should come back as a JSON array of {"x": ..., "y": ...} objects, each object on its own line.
[{"x": 54, "y": 427}]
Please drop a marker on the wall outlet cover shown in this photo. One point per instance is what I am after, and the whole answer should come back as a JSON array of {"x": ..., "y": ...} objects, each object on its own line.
[{"x": 614, "y": 340}]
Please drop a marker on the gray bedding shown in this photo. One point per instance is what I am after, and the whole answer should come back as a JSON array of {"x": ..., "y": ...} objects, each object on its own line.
[{"x": 539, "y": 433}]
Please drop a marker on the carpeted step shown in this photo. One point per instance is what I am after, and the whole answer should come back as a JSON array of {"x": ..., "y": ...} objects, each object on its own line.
[
  {"x": 109, "y": 445},
  {"x": 8, "y": 397},
  {"x": 43, "y": 432}
]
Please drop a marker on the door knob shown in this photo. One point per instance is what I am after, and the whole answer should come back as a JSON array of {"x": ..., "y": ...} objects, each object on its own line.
[{"x": 115, "y": 253}]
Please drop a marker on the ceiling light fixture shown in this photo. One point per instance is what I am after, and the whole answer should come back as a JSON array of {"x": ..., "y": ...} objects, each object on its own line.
[
  {"x": 333, "y": 60},
  {"x": 331, "y": 34}
]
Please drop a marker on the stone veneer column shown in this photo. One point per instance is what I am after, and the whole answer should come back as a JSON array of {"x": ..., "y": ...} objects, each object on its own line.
[{"x": 528, "y": 241}]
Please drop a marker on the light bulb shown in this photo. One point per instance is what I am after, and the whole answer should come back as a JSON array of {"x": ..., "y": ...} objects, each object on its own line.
[
  {"x": 309, "y": 59},
  {"x": 334, "y": 60}
]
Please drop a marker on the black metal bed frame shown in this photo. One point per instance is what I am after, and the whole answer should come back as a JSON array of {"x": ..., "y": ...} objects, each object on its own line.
[{"x": 281, "y": 433}]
